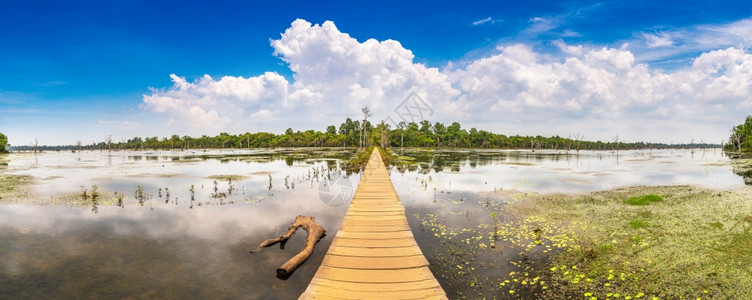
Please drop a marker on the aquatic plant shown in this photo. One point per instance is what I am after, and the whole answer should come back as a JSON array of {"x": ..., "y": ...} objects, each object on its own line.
[
  {"x": 140, "y": 196},
  {"x": 120, "y": 199},
  {"x": 637, "y": 223},
  {"x": 643, "y": 200}
]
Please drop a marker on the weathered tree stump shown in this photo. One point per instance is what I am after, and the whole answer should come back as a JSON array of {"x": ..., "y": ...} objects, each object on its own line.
[{"x": 315, "y": 233}]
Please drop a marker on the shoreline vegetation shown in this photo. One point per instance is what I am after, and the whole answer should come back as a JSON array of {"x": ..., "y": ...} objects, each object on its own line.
[
  {"x": 359, "y": 133},
  {"x": 13, "y": 186},
  {"x": 642, "y": 242}
]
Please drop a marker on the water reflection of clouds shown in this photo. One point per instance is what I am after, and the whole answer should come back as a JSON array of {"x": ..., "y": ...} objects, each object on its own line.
[
  {"x": 76, "y": 255},
  {"x": 551, "y": 171},
  {"x": 170, "y": 249}
]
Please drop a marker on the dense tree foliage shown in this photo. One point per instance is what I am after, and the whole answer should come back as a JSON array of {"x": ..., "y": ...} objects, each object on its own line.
[
  {"x": 352, "y": 133},
  {"x": 740, "y": 138},
  {"x": 3, "y": 142}
]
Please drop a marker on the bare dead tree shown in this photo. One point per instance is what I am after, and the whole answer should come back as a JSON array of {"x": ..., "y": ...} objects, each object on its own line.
[
  {"x": 578, "y": 137},
  {"x": 401, "y": 125},
  {"x": 35, "y": 145},
  {"x": 366, "y": 114},
  {"x": 108, "y": 140},
  {"x": 384, "y": 129},
  {"x": 78, "y": 145},
  {"x": 616, "y": 141},
  {"x": 736, "y": 139}
]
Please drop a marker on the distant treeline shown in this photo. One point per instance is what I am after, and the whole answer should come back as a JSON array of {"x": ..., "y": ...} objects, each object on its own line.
[
  {"x": 358, "y": 134},
  {"x": 740, "y": 139}
]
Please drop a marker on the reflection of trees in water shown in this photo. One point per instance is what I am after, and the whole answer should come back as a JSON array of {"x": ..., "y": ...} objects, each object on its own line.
[
  {"x": 439, "y": 161},
  {"x": 290, "y": 156},
  {"x": 741, "y": 165},
  {"x": 745, "y": 171}
]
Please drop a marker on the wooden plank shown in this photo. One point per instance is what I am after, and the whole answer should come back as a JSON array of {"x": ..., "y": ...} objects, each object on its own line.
[
  {"x": 375, "y": 228},
  {"x": 380, "y": 243},
  {"x": 333, "y": 292},
  {"x": 374, "y": 235},
  {"x": 372, "y": 222},
  {"x": 377, "y": 287},
  {"x": 374, "y": 276},
  {"x": 377, "y": 217},
  {"x": 359, "y": 262},
  {"x": 375, "y": 252}
]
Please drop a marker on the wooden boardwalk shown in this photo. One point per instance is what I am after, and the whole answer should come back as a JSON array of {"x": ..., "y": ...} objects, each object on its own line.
[{"x": 374, "y": 255}]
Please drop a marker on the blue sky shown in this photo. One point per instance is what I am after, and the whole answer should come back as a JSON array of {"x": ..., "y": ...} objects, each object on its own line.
[{"x": 81, "y": 70}]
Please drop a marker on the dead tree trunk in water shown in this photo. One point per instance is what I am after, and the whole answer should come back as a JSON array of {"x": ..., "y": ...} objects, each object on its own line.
[{"x": 315, "y": 233}]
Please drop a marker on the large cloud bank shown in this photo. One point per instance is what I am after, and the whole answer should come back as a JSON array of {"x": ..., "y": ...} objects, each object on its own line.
[{"x": 600, "y": 91}]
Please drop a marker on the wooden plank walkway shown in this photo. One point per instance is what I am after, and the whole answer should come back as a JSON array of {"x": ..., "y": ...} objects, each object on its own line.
[{"x": 374, "y": 254}]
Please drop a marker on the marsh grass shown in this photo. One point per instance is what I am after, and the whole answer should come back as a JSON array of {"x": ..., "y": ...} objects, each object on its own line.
[
  {"x": 696, "y": 243},
  {"x": 643, "y": 200},
  {"x": 637, "y": 223},
  {"x": 13, "y": 187},
  {"x": 232, "y": 177}
]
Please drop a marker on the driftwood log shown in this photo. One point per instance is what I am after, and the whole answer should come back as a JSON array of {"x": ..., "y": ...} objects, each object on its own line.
[{"x": 315, "y": 233}]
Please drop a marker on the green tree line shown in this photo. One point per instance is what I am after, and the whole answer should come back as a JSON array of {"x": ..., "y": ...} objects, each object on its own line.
[
  {"x": 362, "y": 133},
  {"x": 3, "y": 143},
  {"x": 740, "y": 138}
]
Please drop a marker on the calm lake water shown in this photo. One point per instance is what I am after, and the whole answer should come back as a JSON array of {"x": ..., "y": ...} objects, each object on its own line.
[{"x": 194, "y": 242}]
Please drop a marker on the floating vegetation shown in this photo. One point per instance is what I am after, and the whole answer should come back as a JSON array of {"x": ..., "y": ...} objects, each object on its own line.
[
  {"x": 14, "y": 187},
  {"x": 596, "y": 245},
  {"x": 637, "y": 223},
  {"x": 643, "y": 200},
  {"x": 233, "y": 177}
]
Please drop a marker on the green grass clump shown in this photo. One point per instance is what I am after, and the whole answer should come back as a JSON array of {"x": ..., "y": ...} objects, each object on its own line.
[
  {"x": 637, "y": 223},
  {"x": 643, "y": 200}
]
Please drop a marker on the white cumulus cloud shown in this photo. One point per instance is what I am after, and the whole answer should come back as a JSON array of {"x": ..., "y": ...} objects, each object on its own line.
[{"x": 600, "y": 91}]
